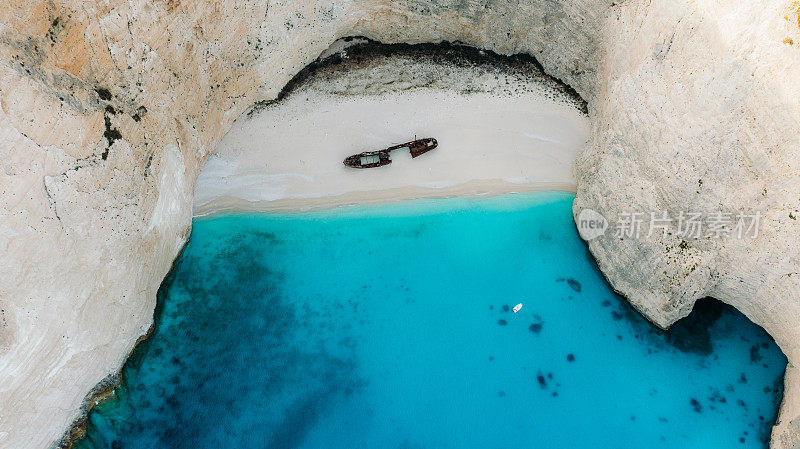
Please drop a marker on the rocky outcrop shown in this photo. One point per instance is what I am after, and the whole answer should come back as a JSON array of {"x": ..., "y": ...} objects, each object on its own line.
[
  {"x": 108, "y": 110},
  {"x": 699, "y": 106}
]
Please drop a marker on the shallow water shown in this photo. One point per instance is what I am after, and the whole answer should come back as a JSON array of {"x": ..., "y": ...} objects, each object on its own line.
[{"x": 387, "y": 327}]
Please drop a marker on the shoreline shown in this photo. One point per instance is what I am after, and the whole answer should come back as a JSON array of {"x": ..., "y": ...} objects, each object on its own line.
[
  {"x": 101, "y": 393},
  {"x": 470, "y": 189}
]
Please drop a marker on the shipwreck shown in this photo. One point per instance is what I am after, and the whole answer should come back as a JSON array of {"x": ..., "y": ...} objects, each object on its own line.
[{"x": 370, "y": 159}]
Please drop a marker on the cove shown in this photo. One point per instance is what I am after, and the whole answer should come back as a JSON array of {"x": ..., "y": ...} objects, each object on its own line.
[{"x": 390, "y": 327}]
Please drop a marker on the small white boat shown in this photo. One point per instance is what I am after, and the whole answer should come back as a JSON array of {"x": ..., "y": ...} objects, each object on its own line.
[{"x": 517, "y": 308}]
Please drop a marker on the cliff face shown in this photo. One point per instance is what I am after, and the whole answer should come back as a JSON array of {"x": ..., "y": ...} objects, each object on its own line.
[
  {"x": 108, "y": 110},
  {"x": 697, "y": 111}
]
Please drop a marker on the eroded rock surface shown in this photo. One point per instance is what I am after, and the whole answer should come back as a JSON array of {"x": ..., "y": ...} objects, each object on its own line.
[
  {"x": 108, "y": 110},
  {"x": 699, "y": 113}
]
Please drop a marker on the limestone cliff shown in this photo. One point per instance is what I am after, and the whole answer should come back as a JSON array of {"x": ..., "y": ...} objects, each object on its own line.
[
  {"x": 108, "y": 110},
  {"x": 698, "y": 111}
]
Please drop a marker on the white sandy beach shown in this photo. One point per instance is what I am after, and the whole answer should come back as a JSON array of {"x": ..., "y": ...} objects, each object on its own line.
[{"x": 495, "y": 138}]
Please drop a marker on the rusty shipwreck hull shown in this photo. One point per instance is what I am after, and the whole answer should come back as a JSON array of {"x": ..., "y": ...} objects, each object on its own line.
[{"x": 370, "y": 159}]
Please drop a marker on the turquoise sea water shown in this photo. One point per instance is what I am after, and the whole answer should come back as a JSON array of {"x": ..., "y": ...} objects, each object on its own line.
[{"x": 388, "y": 327}]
